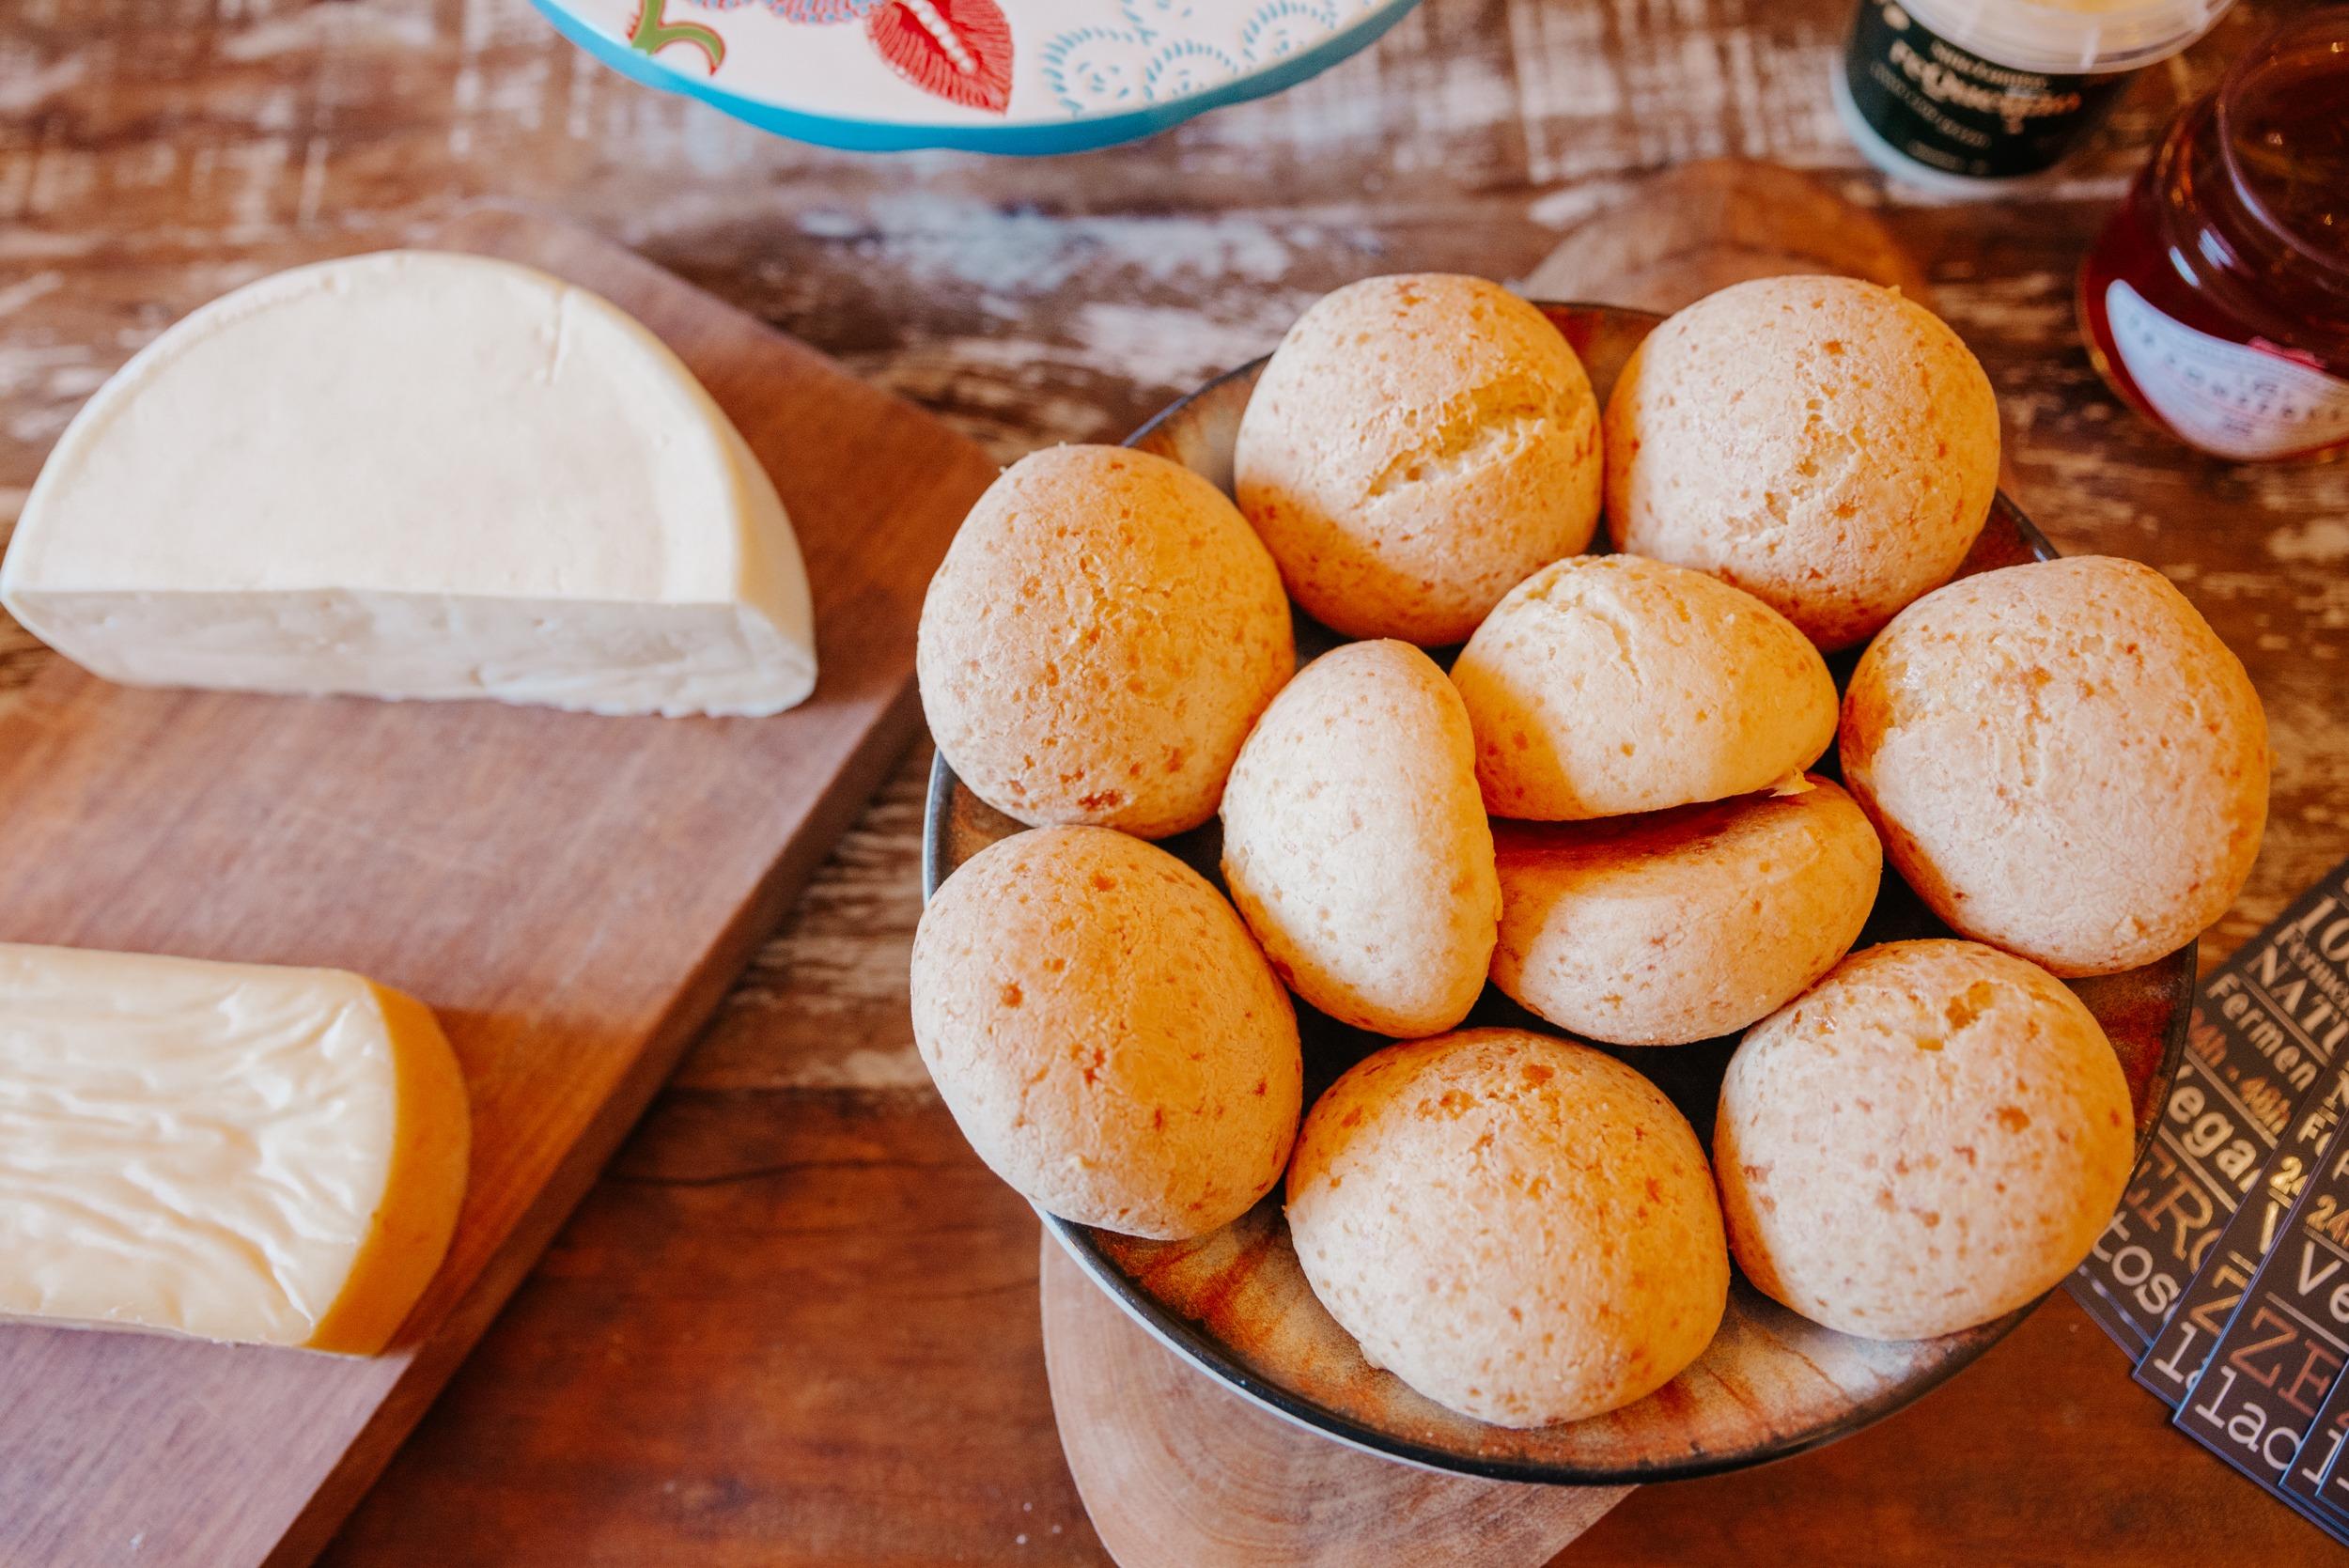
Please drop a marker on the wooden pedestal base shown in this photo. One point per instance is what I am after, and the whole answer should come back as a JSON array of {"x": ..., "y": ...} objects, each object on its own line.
[{"x": 1177, "y": 1472}]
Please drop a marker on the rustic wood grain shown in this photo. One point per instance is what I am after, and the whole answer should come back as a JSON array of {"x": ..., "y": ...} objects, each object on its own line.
[
  {"x": 154, "y": 152},
  {"x": 789, "y": 1329},
  {"x": 572, "y": 895},
  {"x": 802, "y": 1328}
]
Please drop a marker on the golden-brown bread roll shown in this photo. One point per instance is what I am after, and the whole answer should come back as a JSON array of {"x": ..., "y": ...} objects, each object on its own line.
[
  {"x": 1103, "y": 631},
  {"x": 2063, "y": 760},
  {"x": 1683, "y": 924},
  {"x": 1355, "y": 843},
  {"x": 1607, "y": 684},
  {"x": 1928, "y": 1139},
  {"x": 1520, "y": 1228},
  {"x": 1821, "y": 442},
  {"x": 1106, "y": 1032},
  {"x": 1416, "y": 447}
]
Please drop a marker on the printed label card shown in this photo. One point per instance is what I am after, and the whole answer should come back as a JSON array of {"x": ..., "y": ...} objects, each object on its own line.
[
  {"x": 2266, "y": 1025},
  {"x": 2177, "y": 1356},
  {"x": 2317, "y": 1478},
  {"x": 2280, "y": 1353}
]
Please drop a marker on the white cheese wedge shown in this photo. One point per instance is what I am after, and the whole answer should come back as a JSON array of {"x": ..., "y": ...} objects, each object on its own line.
[
  {"x": 416, "y": 475},
  {"x": 229, "y": 1151}
]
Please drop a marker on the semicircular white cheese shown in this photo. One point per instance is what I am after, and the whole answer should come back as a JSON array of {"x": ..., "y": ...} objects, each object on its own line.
[{"x": 418, "y": 474}]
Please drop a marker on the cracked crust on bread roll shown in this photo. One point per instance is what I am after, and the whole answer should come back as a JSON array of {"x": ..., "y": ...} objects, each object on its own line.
[
  {"x": 1930, "y": 1138},
  {"x": 1607, "y": 684},
  {"x": 1680, "y": 925},
  {"x": 1521, "y": 1228},
  {"x": 1418, "y": 446},
  {"x": 1104, "y": 629},
  {"x": 1106, "y": 1032},
  {"x": 1821, "y": 442},
  {"x": 2063, "y": 760}
]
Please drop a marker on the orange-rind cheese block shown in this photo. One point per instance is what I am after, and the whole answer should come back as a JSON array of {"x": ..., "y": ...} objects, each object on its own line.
[{"x": 222, "y": 1150}]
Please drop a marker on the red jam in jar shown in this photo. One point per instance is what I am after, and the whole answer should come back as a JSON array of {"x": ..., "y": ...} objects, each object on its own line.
[{"x": 2217, "y": 299}]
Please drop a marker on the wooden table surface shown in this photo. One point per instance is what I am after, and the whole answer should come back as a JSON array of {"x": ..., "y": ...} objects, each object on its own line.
[{"x": 797, "y": 1322}]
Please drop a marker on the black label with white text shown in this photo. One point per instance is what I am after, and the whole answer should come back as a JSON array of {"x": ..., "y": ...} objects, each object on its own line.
[
  {"x": 1950, "y": 109},
  {"x": 2283, "y": 1350},
  {"x": 2175, "y": 1358},
  {"x": 2266, "y": 1026},
  {"x": 2317, "y": 1477}
]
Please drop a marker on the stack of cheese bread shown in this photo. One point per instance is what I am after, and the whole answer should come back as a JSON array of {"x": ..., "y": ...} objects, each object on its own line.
[{"x": 1606, "y": 805}]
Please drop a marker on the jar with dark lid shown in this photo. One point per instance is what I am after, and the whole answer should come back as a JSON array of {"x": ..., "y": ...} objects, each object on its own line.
[
  {"x": 2217, "y": 299},
  {"x": 1973, "y": 95}
]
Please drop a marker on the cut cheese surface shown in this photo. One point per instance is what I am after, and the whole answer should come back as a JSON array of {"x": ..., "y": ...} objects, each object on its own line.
[
  {"x": 227, "y": 1151},
  {"x": 418, "y": 474}
]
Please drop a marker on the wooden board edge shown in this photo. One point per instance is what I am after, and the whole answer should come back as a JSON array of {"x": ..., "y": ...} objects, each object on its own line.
[
  {"x": 436, "y": 1354},
  {"x": 436, "y": 1357}
]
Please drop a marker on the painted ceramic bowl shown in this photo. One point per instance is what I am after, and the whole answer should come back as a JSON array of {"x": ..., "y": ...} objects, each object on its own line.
[
  {"x": 1017, "y": 76},
  {"x": 1771, "y": 1384}
]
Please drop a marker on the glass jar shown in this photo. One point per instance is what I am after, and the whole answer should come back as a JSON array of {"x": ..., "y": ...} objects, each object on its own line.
[
  {"x": 1971, "y": 95},
  {"x": 2217, "y": 299}
]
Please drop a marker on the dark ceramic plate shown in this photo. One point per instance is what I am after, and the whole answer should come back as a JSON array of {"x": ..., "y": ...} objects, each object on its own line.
[{"x": 1770, "y": 1384}]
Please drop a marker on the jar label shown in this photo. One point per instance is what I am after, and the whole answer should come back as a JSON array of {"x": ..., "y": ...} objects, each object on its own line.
[
  {"x": 2227, "y": 398},
  {"x": 1951, "y": 110}
]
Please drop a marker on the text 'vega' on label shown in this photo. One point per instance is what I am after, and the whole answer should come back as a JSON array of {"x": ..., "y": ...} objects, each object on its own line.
[
  {"x": 2176, "y": 1357},
  {"x": 2265, "y": 1026}
]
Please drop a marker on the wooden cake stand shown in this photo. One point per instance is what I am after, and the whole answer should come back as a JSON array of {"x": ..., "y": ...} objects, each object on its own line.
[{"x": 1178, "y": 1471}]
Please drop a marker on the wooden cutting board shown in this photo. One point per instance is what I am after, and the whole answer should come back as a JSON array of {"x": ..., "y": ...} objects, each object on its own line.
[{"x": 571, "y": 894}]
